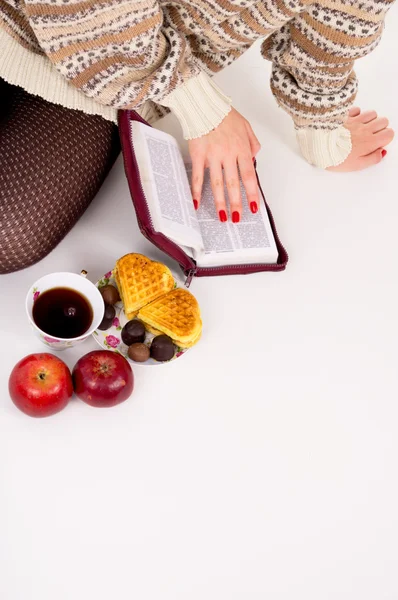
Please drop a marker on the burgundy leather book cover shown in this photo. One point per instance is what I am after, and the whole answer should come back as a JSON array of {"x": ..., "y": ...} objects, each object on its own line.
[{"x": 187, "y": 263}]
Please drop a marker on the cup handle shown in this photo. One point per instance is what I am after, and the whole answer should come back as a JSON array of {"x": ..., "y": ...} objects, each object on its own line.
[{"x": 83, "y": 273}]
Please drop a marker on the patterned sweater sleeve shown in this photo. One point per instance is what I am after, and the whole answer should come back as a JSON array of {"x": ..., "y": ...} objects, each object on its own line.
[
  {"x": 123, "y": 53},
  {"x": 313, "y": 76}
]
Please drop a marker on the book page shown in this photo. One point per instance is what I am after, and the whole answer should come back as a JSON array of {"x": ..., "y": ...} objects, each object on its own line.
[
  {"x": 249, "y": 241},
  {"x": 166, "y": 186}
]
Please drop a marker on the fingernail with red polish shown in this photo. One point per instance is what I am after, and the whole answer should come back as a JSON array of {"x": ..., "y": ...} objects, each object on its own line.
[
  {"x": 235, "y": 217},
  {"x": 223, "y": 216},
  {"x": 253, "y": 207},
  {"x": 196, "y": 204},
  {"x": 254, "y": 159},
  {"x": 383, "y": 153}
]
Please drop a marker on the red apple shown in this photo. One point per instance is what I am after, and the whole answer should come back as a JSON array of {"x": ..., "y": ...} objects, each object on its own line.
[
  {"x": 40, "y": 385},
  {"x": 103, "y": 378}
]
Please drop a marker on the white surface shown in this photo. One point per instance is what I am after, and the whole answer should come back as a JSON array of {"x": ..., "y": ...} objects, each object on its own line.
[{"x": 263, "y": 464}]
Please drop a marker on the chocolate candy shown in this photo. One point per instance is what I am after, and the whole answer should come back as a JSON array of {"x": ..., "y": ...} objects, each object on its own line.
[
  {"x": 110, "y": 294},
  {"x": 109, "y": 315},
  {"x": 162, "y": 348},
  {"x": 138, "y": 352},
  {"x": 133, "y": 332}
]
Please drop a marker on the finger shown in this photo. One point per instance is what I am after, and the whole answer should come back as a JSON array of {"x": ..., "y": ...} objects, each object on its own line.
[
  {"x": 371, "y": 159},
  {"x": 374, "y": 141},
  {"x": 249, "y": 180},
  {"x": 255, "y": 145},
  {"x": 378, "y": 124},
  {"x": 367, "y": 116},
  {"x": 198, "y": 167},
  {"x": 231, "y": 175},
  {"x": 354, "y": 111},
  {"x": 217, "y": 186},
  {"x": 383, "y": 138}
]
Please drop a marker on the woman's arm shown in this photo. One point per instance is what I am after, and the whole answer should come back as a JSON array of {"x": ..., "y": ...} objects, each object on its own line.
[
  {"x": 312, "y": 77},
  {"x": 122, "y": 53}
]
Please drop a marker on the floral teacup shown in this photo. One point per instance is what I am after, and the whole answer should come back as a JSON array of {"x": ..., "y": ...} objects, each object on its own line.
[{"x": 80, "y": 284}]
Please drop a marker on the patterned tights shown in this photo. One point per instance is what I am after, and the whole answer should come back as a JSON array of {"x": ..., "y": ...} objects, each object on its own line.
[{"x": 53, "y": 161}]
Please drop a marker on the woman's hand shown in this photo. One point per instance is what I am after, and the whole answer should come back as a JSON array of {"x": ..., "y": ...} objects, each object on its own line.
[
  {"x": 231, "y": 146},
  {"x": 369, "y": 135}
]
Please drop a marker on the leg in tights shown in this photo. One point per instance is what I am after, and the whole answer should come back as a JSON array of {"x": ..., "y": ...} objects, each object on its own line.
[{"x": 52, "y": 163}]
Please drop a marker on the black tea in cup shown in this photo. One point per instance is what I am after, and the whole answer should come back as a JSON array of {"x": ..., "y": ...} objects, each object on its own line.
[{"x": 63, "y": 313}]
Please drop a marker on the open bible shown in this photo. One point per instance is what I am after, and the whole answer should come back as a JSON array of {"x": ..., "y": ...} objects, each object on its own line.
[{"x": 161, "y": 191}]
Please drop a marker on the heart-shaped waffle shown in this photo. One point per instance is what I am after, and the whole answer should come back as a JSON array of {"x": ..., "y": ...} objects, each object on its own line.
[
  {"x": 175, "y": 314},
  {"x": 140, "y": 281}
]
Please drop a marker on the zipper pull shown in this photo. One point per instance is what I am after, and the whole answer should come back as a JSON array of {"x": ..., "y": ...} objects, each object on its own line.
[{"x": 190, "y": 276}]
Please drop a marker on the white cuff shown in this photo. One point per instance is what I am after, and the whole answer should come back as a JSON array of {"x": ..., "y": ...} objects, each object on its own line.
[
  {"x": 325, "y": 148},
  {"x": 199, "y": 105}
]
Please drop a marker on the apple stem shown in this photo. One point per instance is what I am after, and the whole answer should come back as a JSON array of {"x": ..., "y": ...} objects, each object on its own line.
[{"x": 42, "y": 376}]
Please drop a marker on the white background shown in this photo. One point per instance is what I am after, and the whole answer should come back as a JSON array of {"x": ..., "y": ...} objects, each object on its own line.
[{"x": 263, "y": 464}]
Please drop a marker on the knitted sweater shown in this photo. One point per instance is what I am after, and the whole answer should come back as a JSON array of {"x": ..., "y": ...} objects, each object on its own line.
[{"x": 103, "y": 55}]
